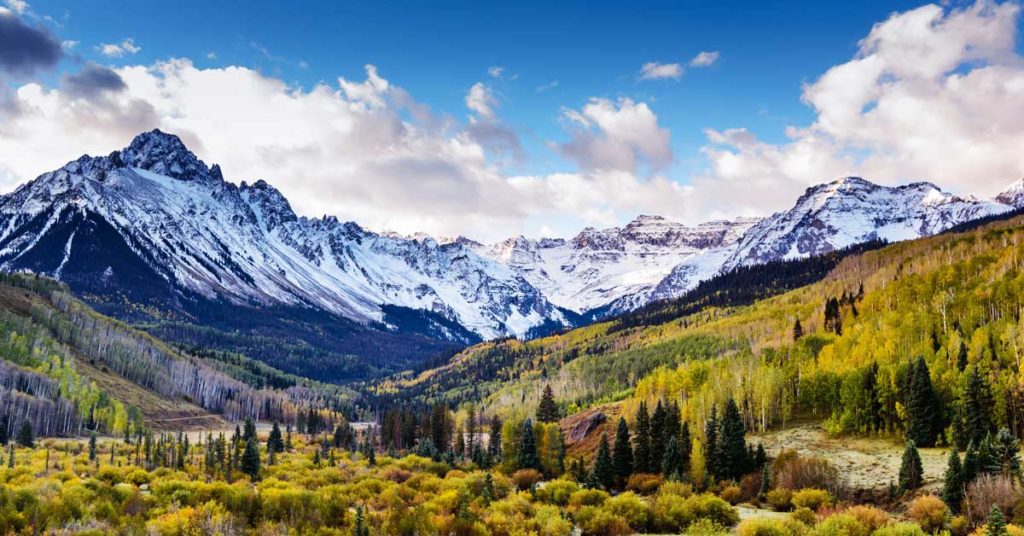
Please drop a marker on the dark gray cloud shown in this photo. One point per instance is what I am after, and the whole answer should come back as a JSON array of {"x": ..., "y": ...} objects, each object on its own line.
[
  {"x": 92, "y": 81},
  {"x": 25, "y": 49}
]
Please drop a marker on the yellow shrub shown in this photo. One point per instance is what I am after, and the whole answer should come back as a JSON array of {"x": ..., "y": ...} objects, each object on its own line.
[
  {"x": 811, "y": 498},
  {"x": 840, "y": 525},
  {"x": 630, "y": 507},
  {"x": 731, "y": 494},
  {"x": 763, "y": 526},
  {"x": 780, "y": 499},
  {"x": 928, "y": 511}
]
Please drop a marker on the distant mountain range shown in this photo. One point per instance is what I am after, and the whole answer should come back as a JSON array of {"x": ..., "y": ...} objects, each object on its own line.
[{"x": 151, "y": 229}]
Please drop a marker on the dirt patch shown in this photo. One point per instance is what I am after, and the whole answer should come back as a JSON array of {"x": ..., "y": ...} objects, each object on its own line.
[
  {"x": 869, "y": 464},
  {"x": 583, "y": 430}
]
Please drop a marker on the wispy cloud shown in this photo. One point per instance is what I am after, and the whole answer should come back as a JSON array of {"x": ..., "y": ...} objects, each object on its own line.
[
  {"x": 704, "y": 59},
  {"x": 545, "y": 87},
  {"x": 126, "y": 47},
  {"x": 653, "y": 70}
]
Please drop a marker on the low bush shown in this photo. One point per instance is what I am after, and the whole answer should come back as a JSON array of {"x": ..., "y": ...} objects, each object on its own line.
[
  {"x": 644, "y": 483},
  {"x": 780, "y": 499},
  {"x": 871, "y": 517},
  {"x": 526, "y": 478},
  {"x": 811, "y": 498},
  {"x": 632, "y": 508},
  {"x": 899, "y": 529},
  {"x": 762, "y": 526},
  {"x": 988, "y": 490},
  {"x": 929, "y": 512},
  {"x": 840, "y": 525}
]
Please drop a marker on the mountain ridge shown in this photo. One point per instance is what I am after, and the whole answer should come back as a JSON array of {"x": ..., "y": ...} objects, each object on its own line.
[{"x": 154, "y": 224}]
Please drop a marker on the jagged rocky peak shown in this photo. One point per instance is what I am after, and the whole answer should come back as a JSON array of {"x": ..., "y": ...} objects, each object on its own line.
[
  {"x": 165, "y": 154},
  {"x": 272, "y": 207},
  {"x": 1013, "y": 195}
]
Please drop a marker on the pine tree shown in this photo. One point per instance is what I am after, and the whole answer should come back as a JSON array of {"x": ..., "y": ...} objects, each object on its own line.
[
  {"x": 711, "y": 450},
  {"x": 658, "y": 439},
  {"x": 275, "y": 443},
  {"x": 528, "y": 458},
  {"x": 359, "y": 527},
  {"x": 924, "y": 416},
  {"x": 977, "y": 407},
  {"x": 995, "y": 525},
  {"x": 685, "y": 449},
  {"x": 622, "y": 457},
  {"x": 1007, "y": 454},
  {"x": 547, "y": 411},
  {"x": 604, "y": 472},
  {"x": 250, "y": 463},
  {"x": 92, "y": 446},
  {"x": 494, "y": 441},
  {"x": 732, "y": 445},
  {"x": 961, "y": 357},
  {"x": 672, "y": 460},
  {"x": 4, "y": 436},
  {"x": 911, "y": 472},
  {"x": 25, "y": 436},
  {"x": 250, "y": 430},
  {"x": 798, "y": 330},
  {"x": 766, "y": 481},
  {"x": 642, "y": 439},
  {"x": 970, "y": 464},
  {"x": 953, "y": 483}
]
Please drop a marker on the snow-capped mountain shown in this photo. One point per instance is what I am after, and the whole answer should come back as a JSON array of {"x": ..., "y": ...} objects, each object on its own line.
[
  {"x": 598, "y": 267},
  {"x": 152, "y": 223},
  {"x": 852, "y": 210},
  {"x": 1012, "y": 195},
  {"x": 154, "y": 210}
]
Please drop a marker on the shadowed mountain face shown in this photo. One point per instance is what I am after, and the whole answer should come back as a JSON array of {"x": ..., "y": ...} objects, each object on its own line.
[{"x": 153, "y": 235}]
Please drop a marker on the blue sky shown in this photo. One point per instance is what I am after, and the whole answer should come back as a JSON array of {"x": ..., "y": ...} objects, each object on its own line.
[
  {"x": 768, "y": 84},
  {"x": 437, "y": 50}
]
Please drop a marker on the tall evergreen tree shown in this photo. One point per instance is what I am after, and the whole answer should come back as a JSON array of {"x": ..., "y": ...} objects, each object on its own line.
[
  {"x": 953, "y": 486},
  {"x": 92, "y": 446},
  {"x": 911, "y": 471},
  {"x": 685, "y": 449},
  {"x": 4, "y": 435},
  {"x": 275, "y": 442},
  {"x": 604, "y": 471},
  {"x": 250, "y": 463},
  {"x": 733, "y": 460},
  {"x": 798, "y": 330},
  {"x": 528, "y": 458},
  {"x": 924, "y": 415},
  {"x": 548, "y": 410},
  {"x": 970, "y": 464},
  {"x": 961, "y": 357},
  {"x": 622, "y": 456},
  {"x": 494, "y": 440},
  {"x": 658, "y": 439},
  {"x": 977, "y": 407},
  {"x": 711, "y": 449},
  {"x": 250, "y": 430},
  {"x": 672, "y": 460},
  {"x": 642, "y": 439},
  {"x": 1007, "y": 454}
]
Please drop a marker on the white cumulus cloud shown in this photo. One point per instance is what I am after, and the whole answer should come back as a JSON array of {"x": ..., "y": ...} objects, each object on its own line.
[{"x": 704, "y": 59}]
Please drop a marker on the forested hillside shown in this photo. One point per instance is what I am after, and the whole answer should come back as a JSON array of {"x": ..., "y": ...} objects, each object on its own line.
[
  {"x": 950, "y": 302},
  {"x": 67, "y": 369}
]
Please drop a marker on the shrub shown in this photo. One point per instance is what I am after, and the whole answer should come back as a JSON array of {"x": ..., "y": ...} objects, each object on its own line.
[
  {"x": 929, "y": 512},
  {"x": 707, "y": 506},
  {"x": 643, "y": 483},
  {"x": 551, "y": 523},
  {"x": 679, "y": 489},
  {"x": 731, "y": 494},
  {"x": 840, "y": 525},
  {"x": 811, "y": 498},
  {"x": 986, "y": 491},
  {"x": 630, "y": 507},
  {"x": 780, "y": 499},
  {"x": 871, "y": 517},
  {"x": 588, "y": 497},
  {"x": 596, "y": 521},
  {"x": 672, "y": 513},
  {"x": 763, "y": 526},
  {"x": 669, "y": 513},
  {"x": 526, "y": 478},
  {"x": 805, "y": 516},
  {"x": 816, "y": 473},
  {"x": 706, "y": 527},
  {"x": 899, "y": 529},
  {"x": 558, "y": 491},
  {"x": 959, "y": 525}
]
